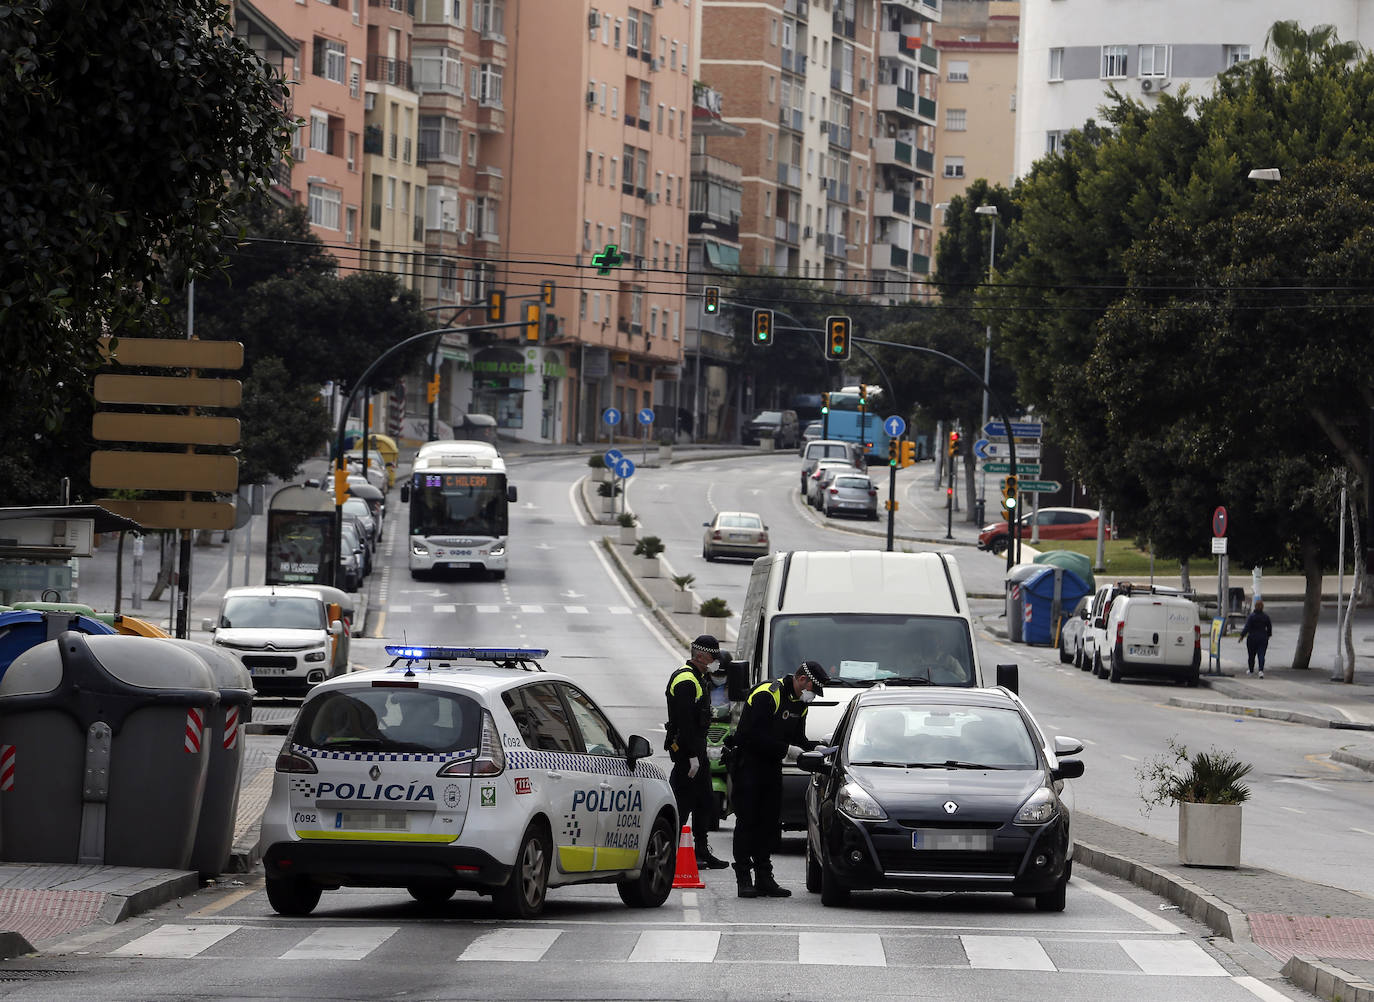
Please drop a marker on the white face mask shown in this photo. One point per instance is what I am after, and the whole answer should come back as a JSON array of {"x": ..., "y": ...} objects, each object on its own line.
[
  {"x": 718, "y": 677},
  {"x": 807, "y": 696}
]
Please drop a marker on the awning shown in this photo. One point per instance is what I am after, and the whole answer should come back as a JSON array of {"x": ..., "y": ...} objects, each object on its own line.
[
  {"x": 722, "y": 257},
  {"x": 105, "y": 520},
  {"x": 454, "y": 354}
]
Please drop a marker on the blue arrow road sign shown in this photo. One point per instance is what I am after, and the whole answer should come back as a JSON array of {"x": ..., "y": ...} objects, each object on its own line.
[
  {"x": 624, "y": 469},
  {"x": 1019, "y": 429},
  {"x": 611, "y": 416},
  {"x": 894, "y": 426},
  {"x": 612, "y": 457},
  {"x": 646, "y": 416},
  {"x": 980, "y": 448}
]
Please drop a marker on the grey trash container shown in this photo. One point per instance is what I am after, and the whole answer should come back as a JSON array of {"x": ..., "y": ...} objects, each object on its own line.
[
  {"x": 105, "y": 740},
  {"x": 224, "y": 734},
  {"x": 1016, "y": 606}
]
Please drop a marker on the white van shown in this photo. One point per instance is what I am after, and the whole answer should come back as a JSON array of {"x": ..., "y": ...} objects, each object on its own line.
[
  {"x": 1154, "y": 634},
  {"x": 829, "y": 448},
  {"x": 868, "y": 617}
]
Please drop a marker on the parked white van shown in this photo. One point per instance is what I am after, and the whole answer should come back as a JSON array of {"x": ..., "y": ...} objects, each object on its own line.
[
  {"x": 869, "y": 617},
  {"x": 1156, "y": 635}
]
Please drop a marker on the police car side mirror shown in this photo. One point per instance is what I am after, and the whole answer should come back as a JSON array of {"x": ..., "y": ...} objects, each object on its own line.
[
  {"x": 1008, "y": 677},
  {"x": 637, "y": 749}
]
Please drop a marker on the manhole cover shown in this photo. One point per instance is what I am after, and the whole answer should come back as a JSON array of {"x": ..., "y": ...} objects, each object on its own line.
[{"x": 30, "y": 975}]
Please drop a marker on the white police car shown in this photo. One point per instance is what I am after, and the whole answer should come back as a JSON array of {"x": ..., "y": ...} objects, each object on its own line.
[{"x": 464, "y": 768}]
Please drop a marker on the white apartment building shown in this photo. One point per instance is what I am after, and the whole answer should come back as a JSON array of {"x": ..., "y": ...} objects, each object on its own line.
[{"x": 1073, "y": 50}]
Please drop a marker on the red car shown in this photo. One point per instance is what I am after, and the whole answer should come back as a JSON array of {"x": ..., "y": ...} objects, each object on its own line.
[{"x": 1054, "y": 523}]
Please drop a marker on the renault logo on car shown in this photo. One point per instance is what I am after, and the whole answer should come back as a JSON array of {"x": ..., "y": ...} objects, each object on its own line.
[{"x": 950, "y": 806}]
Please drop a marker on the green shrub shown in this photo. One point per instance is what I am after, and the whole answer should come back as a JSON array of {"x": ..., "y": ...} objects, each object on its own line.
[
  {"x": 597, "y": 461},
  {"x": 627, "y": 519},
  {"x": 684, "y": 581},
  {"x": 648, "y": 546},
  {"x": 714, "y": 608},
  {"x": 1175, "y": 776},
  {"x": 607, "y": 489}
]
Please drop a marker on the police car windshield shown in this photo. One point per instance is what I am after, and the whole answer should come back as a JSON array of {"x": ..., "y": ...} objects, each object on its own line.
[
  {"x": 860, "y": 649},
  {"x": 272, "y": 612},
  {"x": 390, "y": 720}
]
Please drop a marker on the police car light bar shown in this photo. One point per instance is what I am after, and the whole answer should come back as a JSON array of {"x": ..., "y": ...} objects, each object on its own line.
[{"x": 475, "y": 653}]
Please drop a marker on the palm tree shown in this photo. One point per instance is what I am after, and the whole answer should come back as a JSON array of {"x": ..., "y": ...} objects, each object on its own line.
[{"x": 1297, "y": 51}]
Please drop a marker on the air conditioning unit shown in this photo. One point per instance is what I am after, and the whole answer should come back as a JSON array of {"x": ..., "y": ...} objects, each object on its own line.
[
  {"x": 1147, "y": 85},
  {"x": 591, "y": 98},
  {"x": 594, "y": 20},
  {"x": 806, "y": 233},
  {"x": 369, "y": 101},
  {"x": 651, "y": 198},
  {"x": 863, "y": 85},
  {"x": 860, "y": 196},
  {"x": 655, "y": 65},
  {"x": 825, "y": 128}
]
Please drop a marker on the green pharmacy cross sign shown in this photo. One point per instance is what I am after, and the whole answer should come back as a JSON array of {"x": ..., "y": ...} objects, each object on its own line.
[{"x": 608, "y": 259}]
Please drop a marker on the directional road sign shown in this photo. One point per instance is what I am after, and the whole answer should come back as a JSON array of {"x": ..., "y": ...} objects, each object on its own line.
[
  {"x": 1022, "y": 469},
  {"x": 1038, "y": 486},
  {"x": 612, "y": 457},
  {"x": 894, "y": 426},
  {"x": 1020, "y": 429},
  {"x": 646, "y": 415},
  {"x": 625, "y": 469},
  {"x": 1001, "y": 450},
  {"x": 611, "y": 416},
  {"x": 980, "y": 448}
]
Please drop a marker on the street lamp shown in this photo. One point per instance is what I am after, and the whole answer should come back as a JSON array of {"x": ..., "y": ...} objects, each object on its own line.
[{"x": 987, "y": 210}]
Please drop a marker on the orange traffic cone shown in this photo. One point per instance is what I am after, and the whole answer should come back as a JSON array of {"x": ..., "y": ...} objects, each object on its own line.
[{"x": 687, "y": 875}]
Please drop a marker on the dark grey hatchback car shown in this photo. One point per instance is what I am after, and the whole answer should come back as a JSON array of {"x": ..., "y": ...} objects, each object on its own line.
[{"x": 937, "y": 789}]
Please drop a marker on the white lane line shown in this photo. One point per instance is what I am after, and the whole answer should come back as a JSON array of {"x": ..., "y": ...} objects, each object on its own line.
[
  {"x": 1292, "y": 810},
  {"x": 691, "y": 910},
  {"x": 611, "y": 574},
  {"x": 397, "y": 608},
  {"x": 1260, "y": 990},
  {"x": 536, "y": 609},
  {"x": 575, "y": 610},
  {"x": 1362, "y": 831},
  {"x": 335, "y": 943},
  {"x": 573, "y": 499},
  {"x": 178, "y": 942},
  {"x": 675, "y": 948},
  {"x": 483, "y": 608},
  {"x": 445, "y": 608},
  {"x": 845, "y": 949},
  {"x": 618, "y": 610},
  {"x": 1129, "y": 907},
  {"x": 1006, "y": 953},
  {"x": 522, "y": 945},
  {"x": 656, "y": 633},
  {"x": 1181, "y": 958}
]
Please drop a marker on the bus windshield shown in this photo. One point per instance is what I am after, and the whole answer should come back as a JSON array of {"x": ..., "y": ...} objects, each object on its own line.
[
  {"x": 860, "y": 649},
  {"x": 471, "y": 504}
]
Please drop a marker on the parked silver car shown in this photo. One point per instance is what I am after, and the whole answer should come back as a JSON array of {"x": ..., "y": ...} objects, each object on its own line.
[
  {"x": 850, "y": 494},
  {"x": 819, "y": 478}
]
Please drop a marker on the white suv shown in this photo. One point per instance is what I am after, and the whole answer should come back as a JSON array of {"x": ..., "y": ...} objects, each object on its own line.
[
  {"x": 481, "y": 772},
  {"x": 281, "y": 634}
]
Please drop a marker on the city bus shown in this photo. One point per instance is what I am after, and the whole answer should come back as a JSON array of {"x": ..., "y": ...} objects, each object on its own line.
[
  {"x": 459, "y": 509},
  {"x": 847, "y": 423}
]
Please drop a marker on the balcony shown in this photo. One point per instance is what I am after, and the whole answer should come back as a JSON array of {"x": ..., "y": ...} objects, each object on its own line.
[
  {"x": 930, "y": 58},
  {"x": 925, "y": 110},
  {"x": 837, "y": 192},
  {"x": 893, "y": 151},
  {"x": 891, "y": 203},
  {"x": 791, "y": 118},
  {"x": 785, "y": 231},
  {"x": 920, "y": 264},
  {"x": 703, "y": 164},
  {"x": 794, "y": 61},
  {"x": 893, "y": 98},
  {"x": 408, "y": 6},
  {"x": 834, "y": 245},
  {"x": 890, "y": 255},
  {"x": 797, "y": 8},
  {"x": 922, "y": 212},
  {"x": 372, "y": 139},
  {"x": 790, "y": 175},
  {"x": 491, "y": 118},
  {"x": 925, "y": 161},
  {"x": 839, "y": 135},
  {"x": 490, "y": 181},
  {"x": 900, "y": 44},
  {"x": 394, "y": 72}
]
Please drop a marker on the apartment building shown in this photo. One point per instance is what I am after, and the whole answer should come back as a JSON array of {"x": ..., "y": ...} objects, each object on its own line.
[
  {"x": 977, "y": 41},
  {"x": 1074, "y": 50}
]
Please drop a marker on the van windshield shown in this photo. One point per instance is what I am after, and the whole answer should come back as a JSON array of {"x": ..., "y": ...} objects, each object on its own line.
[
  {"x": 272, "y": 612},
  {"x": 857, "y": 649}
]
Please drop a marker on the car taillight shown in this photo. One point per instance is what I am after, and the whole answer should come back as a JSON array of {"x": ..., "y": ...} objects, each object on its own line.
[
  {"x": 490, "y": 760},
  {"x": 834, "y": 490},
  {"x": 1120, "y": 629},
  {"x": 289, "y": 761},
  {"x": 873, "y": 492},
  {"x": 763, "y": 537},
  {"x": 716, "y": 534},
  {"x": 1197, "y": 637}
]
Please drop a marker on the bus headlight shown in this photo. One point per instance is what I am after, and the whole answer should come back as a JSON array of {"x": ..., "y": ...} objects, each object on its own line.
[
  {"x": 497, "y": 549},
  {"x": 419, "y": 549}
]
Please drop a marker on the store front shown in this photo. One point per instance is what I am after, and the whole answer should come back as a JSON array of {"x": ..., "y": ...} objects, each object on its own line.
[{"x": 522, "y": 388}]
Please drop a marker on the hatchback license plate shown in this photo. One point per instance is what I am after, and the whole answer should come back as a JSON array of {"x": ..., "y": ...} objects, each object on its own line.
[
  {"x": 947, "y": 840},
  {"x": 374, "y": 821},
  {"x": 1143, "y": 652}
]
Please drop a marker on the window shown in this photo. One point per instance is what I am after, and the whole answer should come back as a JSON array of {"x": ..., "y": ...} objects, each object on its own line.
[
  {"x": 615, "y": 101},
  {"x": 587, "y": 174},
  {"x": 391, "y": 193},
  {"x": 598, "y": 736},
  {"x": 601, "y": 100},
  {"x": 1113, "y": 62},
  {"x": 486, "y": 84},
  {"x": 1233, "y": 54},
  {"x": 489, "y": 17},
  {"x": 632, "y": 33},
  {"x": 1154, "y": 61},
  {"x": 601, "y": 168},
  {"x": 956, "y": 119},
  {"x": 351, "y": 224},
  {"x": 1057, "y": 64},
  {"x": 661, "y": 111},
  {"x": 954, "y": 166},
  {"x": 319, "y": 131},
  {"x": 672, "y": 56},
  {"x": 540, "y": 717},
  {"x": 331, "y": 59},
  {"x": 618, "y": 22},
  {"x": 324, "y": 206},
  {"x": 1053, "y": 141},
  {"x": 472, "y": 147},
  {"x": 958, "y": 71},
  {"x": 672, "y": 121}
]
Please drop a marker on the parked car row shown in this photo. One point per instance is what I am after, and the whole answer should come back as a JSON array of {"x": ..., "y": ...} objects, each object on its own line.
[
  {"x": 1126, "y": 630},
  {"x": 364, "y": 511}
]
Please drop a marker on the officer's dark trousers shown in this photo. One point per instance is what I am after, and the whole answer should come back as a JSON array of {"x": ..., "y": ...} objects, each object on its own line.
[
  {"x": 757, "y": 799},
  {"x": 694, "y": 796}
]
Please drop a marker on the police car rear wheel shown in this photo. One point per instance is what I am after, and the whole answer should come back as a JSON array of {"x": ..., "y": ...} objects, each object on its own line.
[
  {"x": 523, "y": 895},
  {"x": 292, "y": 895},
  {"x": 655, "y": 881},
  {"x": 431, "y": 894}
]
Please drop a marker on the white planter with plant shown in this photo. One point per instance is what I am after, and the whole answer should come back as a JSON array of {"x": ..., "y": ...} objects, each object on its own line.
[
  {"x": 683, "y": 600},
  {"x": 627, "y": 521},
  {"x": 648, "y": 548},
  {"x": 600, "y": 472},
  {"x": 665, "y": 446},
  {"x": 1209, "y": 793},
  {"x": 714, "y": 612},
  {"x": 607, "y": 492}
]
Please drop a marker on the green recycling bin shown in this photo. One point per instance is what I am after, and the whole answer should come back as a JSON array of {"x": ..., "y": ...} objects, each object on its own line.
[
  {"x": 224, "y": 734},
  {"x": 103, "y": 751}
]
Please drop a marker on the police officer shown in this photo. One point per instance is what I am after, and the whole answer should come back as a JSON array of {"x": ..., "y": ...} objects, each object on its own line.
[
  {"x": 773, "y": 719},
  {"x": 689, "y": 718}
]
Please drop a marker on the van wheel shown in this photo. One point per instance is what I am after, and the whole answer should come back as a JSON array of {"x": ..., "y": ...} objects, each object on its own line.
[
  {"x": 1079, "y": 661},
  {"x": 1117, "y": 666},
  {"x": 1098, "y": 670},
  {"x": 523, "y": 894},
  {"x": 292, "y": 895},
  {"x": 1064, "y": 656}
]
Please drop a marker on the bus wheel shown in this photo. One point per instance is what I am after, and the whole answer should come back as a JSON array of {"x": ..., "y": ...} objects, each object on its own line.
[{"x": 498, "y": 575}]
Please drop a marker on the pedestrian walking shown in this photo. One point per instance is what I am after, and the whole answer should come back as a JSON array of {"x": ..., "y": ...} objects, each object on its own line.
[
  {"x": 689, "y": 718},
  {"x": 1256, "y": 633},
  {"x": 772, "y": 723}
]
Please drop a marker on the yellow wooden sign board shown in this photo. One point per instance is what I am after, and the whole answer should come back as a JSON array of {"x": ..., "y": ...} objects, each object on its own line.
[
  {"x": 164, "y": 471},
  {"x": 169, "y": 353},
  {"x": 174, "y": 514},
  {"x": 170, "y": 428},
  {"x": 171, "y": 391}
]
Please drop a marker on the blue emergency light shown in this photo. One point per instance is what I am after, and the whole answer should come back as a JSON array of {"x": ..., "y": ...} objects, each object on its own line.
[{"x": 427, "y": 653}]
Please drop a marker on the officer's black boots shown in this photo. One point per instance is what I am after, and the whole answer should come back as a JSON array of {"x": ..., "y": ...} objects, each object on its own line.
[
  {"x": 766, "y": 887},
  {"x": 744, "y": 881},
  {"x": 706, "y": 860}
]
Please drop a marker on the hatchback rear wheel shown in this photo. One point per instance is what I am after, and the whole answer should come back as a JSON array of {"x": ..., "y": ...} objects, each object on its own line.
[{"x": 523, "y": 894}]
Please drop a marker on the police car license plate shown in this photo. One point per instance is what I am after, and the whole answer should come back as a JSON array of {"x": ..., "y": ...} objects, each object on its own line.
[
  {"x": 1143, "y": 652},
  {"x": 951, "y": 840},
  {"x": 373, "y": 821}
]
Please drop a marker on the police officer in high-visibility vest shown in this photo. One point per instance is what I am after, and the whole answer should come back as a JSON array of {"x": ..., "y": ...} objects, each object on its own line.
[
  {"x": 689, "y": 719},
  {"x": 772, "y": 720}
]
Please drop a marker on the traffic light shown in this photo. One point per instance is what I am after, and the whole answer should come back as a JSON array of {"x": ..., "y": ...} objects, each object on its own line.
[
  {"x": 894, "y": 452},
  {"x": 546, "y": 292},
  {"x": 763, "y": 327},
  {"x": 340, "y": 485},
  {"x": 1009, "y": 497},
  {"x": 954, "y": 443},
  {"x": 496, "y": 306},
  {"x": 863, "y": 398},
  {"x": 432, "y": 390},
  {"x": 712, "y": 299},
  {"x": 825, "y": 403},
  {"x": 908, "y": 455},
  {"x": 531, "y": 322},
  {"x": 837, "y": 343}
]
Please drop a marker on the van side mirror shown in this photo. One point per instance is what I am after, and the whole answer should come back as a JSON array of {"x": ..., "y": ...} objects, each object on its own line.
[
  {"x": 737, "y": 681},
  {"x": 638, "y": 748},
  {"x": 1008, "y": 677},
  {"x": 405, "y": 493},
  {"x": 511, "y": 494}
]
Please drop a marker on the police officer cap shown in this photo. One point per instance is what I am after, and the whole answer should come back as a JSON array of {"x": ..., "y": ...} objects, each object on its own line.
[
  {"x": 707, "y": 644},
  {"x": 817, "y": 675}
]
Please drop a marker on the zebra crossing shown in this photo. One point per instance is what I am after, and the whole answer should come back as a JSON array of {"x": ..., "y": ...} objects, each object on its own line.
[
  {"x": 518, "y": 608},
  {"x": 537, "y": 943}
]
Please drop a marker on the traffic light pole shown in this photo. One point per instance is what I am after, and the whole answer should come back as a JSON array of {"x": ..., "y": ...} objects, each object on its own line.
[
  {"x": 891, "y": 503},
  {"x": 949, "y": 501}
]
